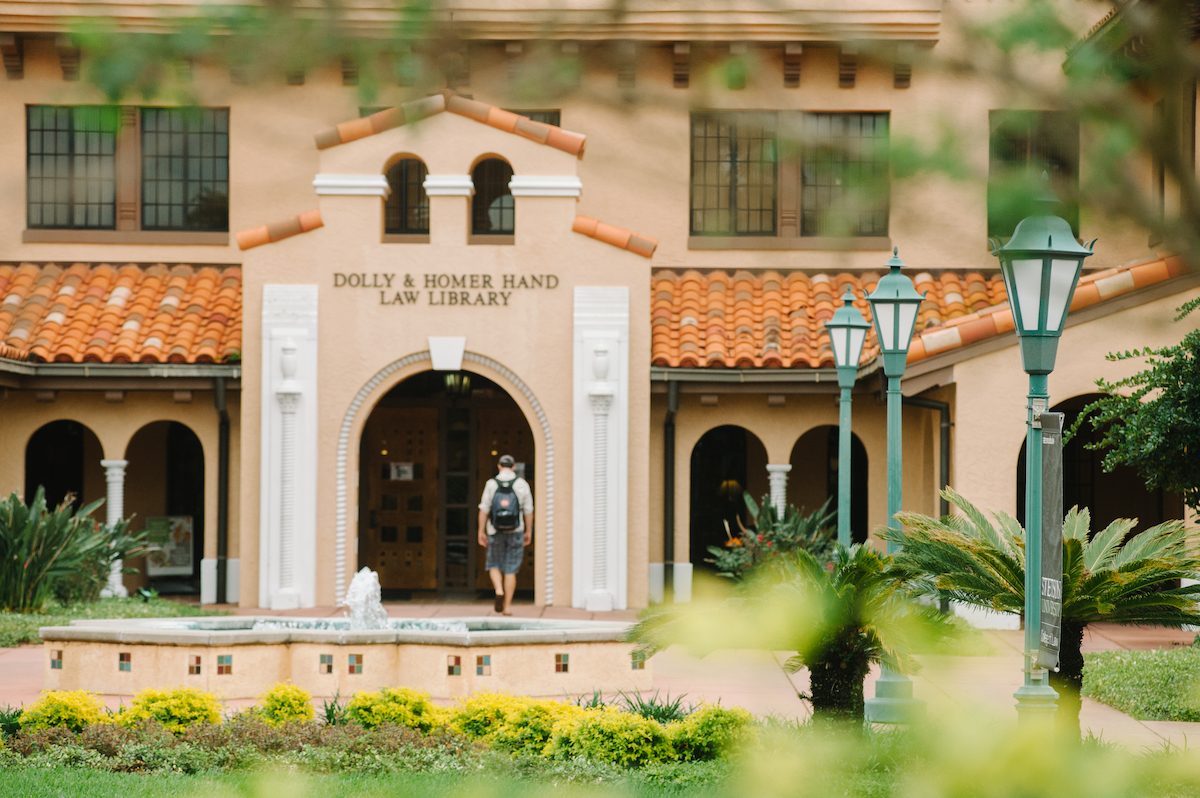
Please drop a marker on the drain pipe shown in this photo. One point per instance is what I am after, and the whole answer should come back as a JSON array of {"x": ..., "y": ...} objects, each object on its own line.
[
  {"x": 669, "y": 488},
  {"x": 944, "y": 467},
  {"x": 222, "y": 489}
]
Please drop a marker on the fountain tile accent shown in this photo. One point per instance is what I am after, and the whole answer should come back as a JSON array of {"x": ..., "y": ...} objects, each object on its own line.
[
  {"x": 483, "y": 665},
  {"x": 453, "y": 665},
  {"x": 194, "y": 665},
  {"x": 356, "y": 663},
  {"x": 224, "y": 664},
  {"x": 124, "y": 661},
  {"x": 56, "y": 659},
  {"x": 562, "y": 663},
  {"x": 639, "y": 661},
  {"x": 326, "y": 665}
]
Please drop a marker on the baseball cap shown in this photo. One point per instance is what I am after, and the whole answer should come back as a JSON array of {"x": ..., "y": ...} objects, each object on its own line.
[{"x": 506, "y": 461}]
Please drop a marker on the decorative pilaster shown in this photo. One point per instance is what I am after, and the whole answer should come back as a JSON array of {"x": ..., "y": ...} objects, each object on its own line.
[
  {"x": 600, "y": 449},
  {"x": 287, "y": 501},
  {"x": 114, "y": 476},
  {"x": 286, "y": 597},
  {"x": 777, "y": 478}
]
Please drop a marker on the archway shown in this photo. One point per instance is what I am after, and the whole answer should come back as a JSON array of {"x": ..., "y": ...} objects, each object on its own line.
[
  {"x": 164, "y": 494},
  {"x": 63, "y": 457},
  {"x": 1120, "y": 493},
  {"x": 726, "y": 462},
  {"x": 813, "y": 479},
  {"x": 426, "y": 450}
]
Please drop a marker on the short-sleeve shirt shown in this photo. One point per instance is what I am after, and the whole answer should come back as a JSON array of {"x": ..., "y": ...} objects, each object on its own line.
[{"x": 524, "y": 496}]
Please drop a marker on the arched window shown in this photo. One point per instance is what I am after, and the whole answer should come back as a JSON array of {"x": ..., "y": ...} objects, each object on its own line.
[
  {"x": 492, "y": 209},
  {"x": 406, "y": 210}
]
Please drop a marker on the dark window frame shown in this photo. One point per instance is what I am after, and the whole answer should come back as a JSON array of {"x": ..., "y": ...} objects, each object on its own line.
[
  {"x": 830, "y": 157},
  {"x": 407, "y": 199},
  {"x": 192, "y": 204},
  {"x": 67, "y": 157},
  {"x": 488, "y": 189},
  {"x": 739, "y": 156}
]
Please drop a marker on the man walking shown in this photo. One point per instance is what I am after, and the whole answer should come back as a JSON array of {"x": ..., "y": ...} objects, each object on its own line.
[{"x": 505, "y": 529}]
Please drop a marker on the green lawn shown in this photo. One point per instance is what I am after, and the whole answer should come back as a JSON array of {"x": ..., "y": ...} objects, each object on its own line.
[
  {"x": 18, "y": 628},
  {"x": 1149, "y": 685}
]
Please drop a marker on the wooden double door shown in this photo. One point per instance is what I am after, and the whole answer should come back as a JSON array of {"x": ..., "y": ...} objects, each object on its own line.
[{"x": 423, "y": 469}]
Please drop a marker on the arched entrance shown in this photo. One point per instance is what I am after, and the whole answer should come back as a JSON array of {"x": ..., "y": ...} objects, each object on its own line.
[
  {"x": 164, "y": 494},
  {"x": 1120, "y": 493},
  {"x": 63, "y": 457},
  {"x": 726, "y": 462},
  {"x": 813, "y": 479},
  {"x": 426, "y": 450}
]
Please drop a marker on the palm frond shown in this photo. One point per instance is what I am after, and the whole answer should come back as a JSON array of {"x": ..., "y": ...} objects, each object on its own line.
[
  {"x": 1077, "y": 524},
  {"x": 1103, "y": 547}
]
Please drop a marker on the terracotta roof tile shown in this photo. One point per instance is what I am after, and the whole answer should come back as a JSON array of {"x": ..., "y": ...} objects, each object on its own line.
[
  {"x": 770, "y": 320},
  {"x": 130, "y": 314}
]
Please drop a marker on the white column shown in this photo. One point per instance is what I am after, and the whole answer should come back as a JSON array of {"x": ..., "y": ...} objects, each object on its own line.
[
  {"x": 600, "y": 396},
  {"x": 114, "y": 475},
  {"x": 286, "y": 596},
  {"x": 600, "y": 443},
  {"x": 777, "y": 477}
]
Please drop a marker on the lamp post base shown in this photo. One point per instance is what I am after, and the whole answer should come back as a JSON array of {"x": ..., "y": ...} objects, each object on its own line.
[
  {"x": 1036, "y": 705},
  {"x": 893, "y": 701}
]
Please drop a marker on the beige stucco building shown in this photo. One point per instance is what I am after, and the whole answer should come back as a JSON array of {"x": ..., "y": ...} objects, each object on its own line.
[{"x": 311, "y": 324}]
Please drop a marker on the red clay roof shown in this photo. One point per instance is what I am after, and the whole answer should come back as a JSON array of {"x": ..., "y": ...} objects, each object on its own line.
[
  {"x": 745, "y": 319},
  {"x": 100, "y": 313}
]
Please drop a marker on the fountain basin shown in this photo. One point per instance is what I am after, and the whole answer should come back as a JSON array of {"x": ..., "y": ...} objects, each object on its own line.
[{"x": 240, "y": 657}]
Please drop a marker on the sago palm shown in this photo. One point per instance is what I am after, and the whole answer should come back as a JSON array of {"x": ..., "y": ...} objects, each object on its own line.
[
  {"x": 1105, "y": 577},
  {"x": 838, "y": 617}
]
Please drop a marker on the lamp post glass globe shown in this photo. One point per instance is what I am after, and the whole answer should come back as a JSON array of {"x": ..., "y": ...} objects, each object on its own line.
[
  {"x": 1041, "y": 264},
  {"x": 894, "y": 304}
]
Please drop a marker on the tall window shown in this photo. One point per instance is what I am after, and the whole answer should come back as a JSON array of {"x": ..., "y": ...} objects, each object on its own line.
[
  {"x": 733, "y": 174},
  {"x": 492, "y": 208},
  {"x": 185, "y": 169},
  {"x": 406, "y": 210},
  {"x": 72, "y": 166},
  {"x": 1023, "y": 144},
  {"x": 844, "y": 173},
  {"x": 127, "y": 169}
]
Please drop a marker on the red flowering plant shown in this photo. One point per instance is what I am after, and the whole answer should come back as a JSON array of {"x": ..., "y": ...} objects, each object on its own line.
[{"x": 770, "y": 535}]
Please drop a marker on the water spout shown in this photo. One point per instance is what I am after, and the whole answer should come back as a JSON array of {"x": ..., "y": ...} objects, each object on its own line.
[{"x": 364, "y": 598}]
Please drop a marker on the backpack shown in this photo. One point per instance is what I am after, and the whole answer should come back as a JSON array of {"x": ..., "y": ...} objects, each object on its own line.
[{"x": 506, "y": 507}]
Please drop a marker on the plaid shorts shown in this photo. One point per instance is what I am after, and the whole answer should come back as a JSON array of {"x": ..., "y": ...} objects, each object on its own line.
[{"x": 505, "y": 551}]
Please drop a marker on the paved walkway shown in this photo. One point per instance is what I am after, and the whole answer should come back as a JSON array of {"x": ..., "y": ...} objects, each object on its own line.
[{"x": 976, "y": 688}]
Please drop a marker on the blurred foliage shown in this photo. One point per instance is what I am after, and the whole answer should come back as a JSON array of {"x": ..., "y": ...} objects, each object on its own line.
[
  {"x": 1106, "y": 577},
  {"x": 839, "y": 617},
  {"x": 1149, "y": 685},
  {"x": 1150, "y": 420},
  {"x": 770, "y": 536}
]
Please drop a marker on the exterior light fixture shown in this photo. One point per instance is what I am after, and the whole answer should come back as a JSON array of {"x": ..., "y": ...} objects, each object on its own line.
[{"x": 847, "y": 334}]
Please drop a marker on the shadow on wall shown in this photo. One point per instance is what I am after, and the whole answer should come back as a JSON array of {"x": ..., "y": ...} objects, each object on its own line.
[
  {"x": 64, "y": 457},
  {"x": 814, "y": 476}
]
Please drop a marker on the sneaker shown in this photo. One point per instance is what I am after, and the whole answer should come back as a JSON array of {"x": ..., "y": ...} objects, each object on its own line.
[{"x": 499, "y": 603}]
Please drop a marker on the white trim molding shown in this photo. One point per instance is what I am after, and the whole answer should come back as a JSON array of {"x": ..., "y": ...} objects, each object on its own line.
[
  {"x": 447, "y": 353},
  {"x": 341, "y": 495},
  {"x": 352, "y": 185},
  {"x": 114, "y": 477},
  {"x": 449, "y": 186},
  {"x": 287, "y": 576},
  {"x": 545, "y": 186},
  {"x": 600, "y": 446}
]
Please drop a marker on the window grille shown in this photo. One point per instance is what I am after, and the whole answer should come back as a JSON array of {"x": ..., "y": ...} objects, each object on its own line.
[
  {"x": 734, "y": 174},
  {"x": 1022, "y": 145},
  {"x": 185, "y": 169},
  {"x": 71, "y": 169},
  {"x": 406, "y": 210},
  {"x": 844, "y": 174},
  {"x": 492, "y": 208}
]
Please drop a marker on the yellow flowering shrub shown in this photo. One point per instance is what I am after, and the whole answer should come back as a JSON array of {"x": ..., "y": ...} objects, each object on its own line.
[
  {"x": 479, "y": 716},
  {"x": 284, "y": 703},
  {"x": 530, "y": 729},
  {"x": 69, "y": 709},
  {"x": 610, "y": 735},
  {"x": 710, "y": 731},
  {"x": 400, "y": 705},
  {"x": 176, "y": 708}
]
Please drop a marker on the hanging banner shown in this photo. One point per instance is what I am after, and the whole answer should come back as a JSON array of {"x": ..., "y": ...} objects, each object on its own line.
[
  {"x": 1052, "y": 540},
  {"x": 171, "y": 541}
]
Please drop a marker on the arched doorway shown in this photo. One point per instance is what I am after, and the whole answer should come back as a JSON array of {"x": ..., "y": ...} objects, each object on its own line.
[
  {"x": 426, "y": 450},
  {"x": 64, "y": 458},
  {"x": 1120, "y": 493},
  {"x": 164, "y": 494},
  {"x": 813, "y": 479},
  {"x": 726, "y": 462}
]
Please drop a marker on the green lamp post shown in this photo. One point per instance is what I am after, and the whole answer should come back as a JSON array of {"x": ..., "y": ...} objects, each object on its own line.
[
  {"x": 1041, "y": 265},
  {"x": 847, "y": 334},
  {"x": 894, "y": 305}
]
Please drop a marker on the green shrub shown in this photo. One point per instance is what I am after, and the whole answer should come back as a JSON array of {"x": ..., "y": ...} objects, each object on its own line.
[
  {"x": 285, "y": 703},
  {"x": 1149, "y": 685},
  {"x": 10, "y": 721},
  {"x": 771, "y": 535},
  {"x": 400, "y": 705},
  {"x": 610, "y": 735},
  {"x": 664, "y": 710},
  {"x": 527, "y": 732},
  {"x": 176, "y": 709},
  {"x": 479, "y": 716},
  {"x": 66, "y": 709},
  {"x": 180, "y": 758},
  {"x": 710, "y": 731}
]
